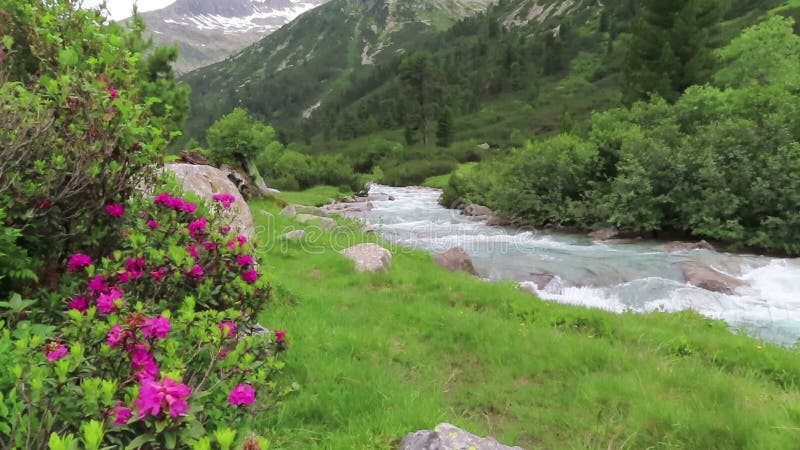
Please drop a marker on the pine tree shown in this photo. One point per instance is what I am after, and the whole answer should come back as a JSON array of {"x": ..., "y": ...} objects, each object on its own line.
[
  {"x": 670, "y": 48},
  {"x": 444, "y": 128}
]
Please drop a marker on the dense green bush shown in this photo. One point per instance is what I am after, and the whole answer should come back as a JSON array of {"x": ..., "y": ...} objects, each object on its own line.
[
  {"x": 156, "y": 343},
  {"x": 720, "y": 163}
]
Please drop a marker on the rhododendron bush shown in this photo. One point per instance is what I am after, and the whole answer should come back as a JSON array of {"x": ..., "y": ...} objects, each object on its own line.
[{"x": 156, "y": 342}]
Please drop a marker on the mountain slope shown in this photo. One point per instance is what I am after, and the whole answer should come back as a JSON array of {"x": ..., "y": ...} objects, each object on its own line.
[
  {"x": 209, "y": 30},
  {"x": 287, "y": 74}
]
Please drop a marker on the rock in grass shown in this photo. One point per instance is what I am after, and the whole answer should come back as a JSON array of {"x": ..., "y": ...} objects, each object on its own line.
[
  {"x": 449, "y": 437},
  {"x": 296, "y": 234},
  {"x": 294, "y": 210},
  {"x": 604, "y": 234},
  {"x": 205, "y": 181},
  {"x": 456, "y": 259},
  {"x": 324, "y": 223},
  {"x": 369, "y": 257}
]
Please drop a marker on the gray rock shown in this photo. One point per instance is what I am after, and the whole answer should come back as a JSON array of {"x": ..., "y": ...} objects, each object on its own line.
[
  {"x": 539, "y": 280},
  {"x": 474, "y": 210},
  {"x": 497, "y": 221},
  {"x": 294, "y": 210},
  {"x": 456, "y": 259},
  {"x": 205, "y": 181},
  {"x": 710, "y": 279},
  {"x": 673, "y": 247},
  {"x": 348, "y": 207},
  {"x": 484, "y": 146},
  {"x": 449, "y": 437},
  {"x": 369, "y": 257},
  {"x": 604, "y": 234},
  {"x": 296, "y": 234},
  {"x": 379, "y": 197},
  {"x": 325, "y": 223}
]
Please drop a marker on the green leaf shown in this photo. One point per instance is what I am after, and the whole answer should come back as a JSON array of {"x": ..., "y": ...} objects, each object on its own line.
[
  {"x": 170, "y": 439},
  {"x": 8, "y": 42},
  {"x": 140, "y": 441},
  {"x": 68, "y": 57}
]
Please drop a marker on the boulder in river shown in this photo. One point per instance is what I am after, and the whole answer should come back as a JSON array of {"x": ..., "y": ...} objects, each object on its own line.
[
  {"x": 710, "y": 279},
  {"x": 448, "y": 437},
  {"x": 294, "y": 210},
  {"x": 369, "y": 257},
  {"x": 604, "y": 234},
  {"x": 674, "y": 247},
  {"x": 205, "y": 181},
  {"x": 475, "y": 210},
  {"x": 456, "y": 259}
]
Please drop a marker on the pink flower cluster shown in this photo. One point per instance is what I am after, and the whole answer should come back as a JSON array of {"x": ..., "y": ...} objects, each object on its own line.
[
  {"x": 229, "y": 326},
  {"x": 167, "y": 394},
  {"x": 197, "y": 227},
  {"x": 115, "y": 210},
  {"x": 174, "y": 203},
  {"x": 242, "y": 395},
  {"x": 78, "y": 261},
  {"x": 226, "y": 199},
  {"x": 54, "y": 351}
]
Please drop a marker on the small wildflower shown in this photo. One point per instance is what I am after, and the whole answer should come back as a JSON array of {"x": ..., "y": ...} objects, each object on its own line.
[
  {"x": 153, "y": 224},
  {"x": 55, "y": 351},
  {"x": 196, "y": 272},
  {"x": 280, "y": 336},
  {"x": 44, "y": 204},
  {"x": 225, "y": 199}
]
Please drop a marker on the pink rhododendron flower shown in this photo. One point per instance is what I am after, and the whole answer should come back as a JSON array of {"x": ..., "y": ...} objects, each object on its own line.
[
  {"x": 225, "y": 199},
  {"x": 239, "y": 240},
  {"x": 97, "y": 284},
  {"x": 196, "y": 272},
  {"x": 121, "y": 414},
  {"x": 223, "y": 353},
  {"x": 117, "y": 336},
  {"x": 250, "y": 276},
  {"x": 229, "y": 326},
  {"x": 280, "y": 336},
  {"x": 112, "y": 92},
  {"x": 162, "y": 199},
  {"x": 224, "y": 229},
  {"x": 197, "y": 227},
  {"x": 158, "y": 274},
  {"x": 242, "y": 395},
  {"x": 123, "y": 277},
  {"x": 78, "y": 261},
  {"x": 79, "y": 304},
  {"x": 192, "y": 249},
  {"x": 167, "y": 394},
  {"x": 153, "y": 224},
  {"x": 115, "y": 210},
  {"x": 135, "y": 267},
  {"x": 43, "y": 204},
  {"x": 55, "y": 351},
  {"x": 188, "y": 207},
  {"x": 211, "y": 246},
  {"x": 110, "y": 302},
  {"x": 244, "y": 260},
  {"x": 143, "y": 362},
  {"x": 156, "y": 327}
]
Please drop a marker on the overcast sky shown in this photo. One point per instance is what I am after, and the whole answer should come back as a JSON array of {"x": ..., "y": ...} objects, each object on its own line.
[{"x": 121, "y": 9}]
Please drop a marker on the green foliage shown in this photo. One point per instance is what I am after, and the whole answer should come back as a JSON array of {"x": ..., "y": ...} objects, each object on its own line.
[
  {"x": 670, "y": 47},
  {"x": 89, "y": 376},
  {"x": 720, "y": 163},
  {"x": 237, "y": 137}
]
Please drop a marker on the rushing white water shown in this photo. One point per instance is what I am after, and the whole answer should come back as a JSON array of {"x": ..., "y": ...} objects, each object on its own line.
[{"x": 627, "y": 277}]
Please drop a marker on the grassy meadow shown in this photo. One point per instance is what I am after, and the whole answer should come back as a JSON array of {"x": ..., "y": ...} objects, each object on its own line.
[{"x": 381, "y": 355}]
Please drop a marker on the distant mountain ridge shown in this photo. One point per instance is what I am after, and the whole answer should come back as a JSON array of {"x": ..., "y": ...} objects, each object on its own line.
[{"x": 207, "y": 31}]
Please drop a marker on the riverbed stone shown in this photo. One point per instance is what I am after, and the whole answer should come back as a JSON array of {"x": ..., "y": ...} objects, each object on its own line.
[
  {"x": 455, "y": 259},
  {"x": 710, "y": 279},
  {"x": 294, "y": 210},
  {"x": 604, "y": 234},
  {"x": 449, "y": 437},
  {"x": 369, "y": 257},
  {"x": 324, "y": 223},
  {"x": 677, "y": 246},
  {"x": 475, "y": 210},
  {"x": 205, "y": 181}
]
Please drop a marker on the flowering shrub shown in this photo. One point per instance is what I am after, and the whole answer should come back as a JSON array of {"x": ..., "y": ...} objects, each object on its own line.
[{"x": 157, "y": 345}]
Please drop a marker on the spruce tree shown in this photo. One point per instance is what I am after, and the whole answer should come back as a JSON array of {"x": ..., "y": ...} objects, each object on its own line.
[
  {"x": 444, "y": 128},
  {"x": 670, "y": 47}
]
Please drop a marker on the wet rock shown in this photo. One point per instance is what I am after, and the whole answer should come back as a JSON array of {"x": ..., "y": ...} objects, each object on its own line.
[
  {"x": 710, "y": 279},
  {"x": 294, "y": 210},
  {"x": 324, "y": 223},
  {"x": 351, "y": 207},
  {"x": 205, "y": 181},
  {"x": 369, "y": 257},
  {"x": 449, "y": 437},
  {"x": 604, "y": 234},
  {"x": 674, "y": 247},
  {"x": 622, "y": 241},
  {"x": 379, "y": 197},
  {"x": 456, "y": 259},
  {"x": 539, "y": 280},
  {"x": 497, "y": 221},
  {"x": 296, "y": 234},
  {"x": 475, "y": 210},
  {"x": 192, "y": 157}
]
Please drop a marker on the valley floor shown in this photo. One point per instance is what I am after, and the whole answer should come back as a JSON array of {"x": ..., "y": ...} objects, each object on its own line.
[{"x": 381, "y": 355}]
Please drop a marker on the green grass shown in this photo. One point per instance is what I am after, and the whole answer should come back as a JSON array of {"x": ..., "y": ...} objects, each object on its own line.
[
  {"x": 441, "y": 181},
  {"x": 316, "y": 196},
  {"x": 380, "y": 355}
]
